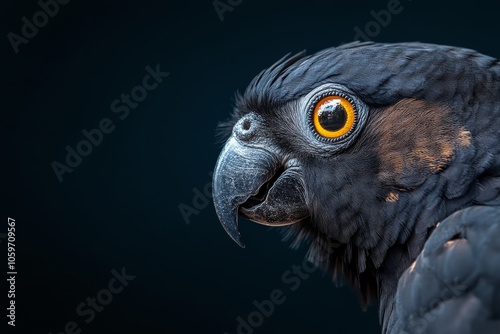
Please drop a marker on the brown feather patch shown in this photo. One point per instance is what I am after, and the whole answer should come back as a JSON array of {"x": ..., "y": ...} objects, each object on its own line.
[
  {"x": 415, "y": 137},
  {"x": 464, "y": 138},
  {"x": 392, "y": 197}
]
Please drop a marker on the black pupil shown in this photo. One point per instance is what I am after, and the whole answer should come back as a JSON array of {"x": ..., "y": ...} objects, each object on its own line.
[{"x": 332, "y": 116}]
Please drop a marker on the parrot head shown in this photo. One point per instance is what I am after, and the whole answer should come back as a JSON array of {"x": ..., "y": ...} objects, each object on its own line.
[{"x": 361, "y": 149}]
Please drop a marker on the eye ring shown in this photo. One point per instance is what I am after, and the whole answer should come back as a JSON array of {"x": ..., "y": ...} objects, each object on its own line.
[{"x": 333, "y": 116}]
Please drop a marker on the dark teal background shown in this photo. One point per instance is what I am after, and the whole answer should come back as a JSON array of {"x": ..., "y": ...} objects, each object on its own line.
[{"x": 120, "y": 206}]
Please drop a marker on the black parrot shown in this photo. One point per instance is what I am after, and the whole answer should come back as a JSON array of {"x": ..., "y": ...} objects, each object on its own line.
[{"x": 386, "y": 157}]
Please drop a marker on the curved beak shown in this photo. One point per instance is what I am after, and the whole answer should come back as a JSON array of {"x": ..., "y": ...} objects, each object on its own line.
[{"x": 250, "y": 180}]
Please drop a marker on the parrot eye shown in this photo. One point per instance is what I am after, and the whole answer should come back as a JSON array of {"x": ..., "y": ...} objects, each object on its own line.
[{"x": 333, "y": 116}]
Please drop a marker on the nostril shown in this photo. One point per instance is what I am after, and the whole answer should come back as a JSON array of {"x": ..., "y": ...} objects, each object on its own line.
[
  {"x": 246, "y": 125},
  {"x": 246, "y": 128}
]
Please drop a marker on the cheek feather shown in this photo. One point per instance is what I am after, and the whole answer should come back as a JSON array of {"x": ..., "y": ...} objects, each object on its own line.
[
  {"x": 414, "y": 138},
  {"x": 464, "y": 138},
  {"x": 392, "y": 197}
]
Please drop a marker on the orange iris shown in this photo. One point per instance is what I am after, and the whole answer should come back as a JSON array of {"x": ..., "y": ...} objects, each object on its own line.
[{"x": 333, "y": 116}]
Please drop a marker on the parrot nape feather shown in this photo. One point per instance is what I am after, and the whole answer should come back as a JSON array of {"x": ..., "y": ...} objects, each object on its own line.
[{"x": 386, "y": 159}]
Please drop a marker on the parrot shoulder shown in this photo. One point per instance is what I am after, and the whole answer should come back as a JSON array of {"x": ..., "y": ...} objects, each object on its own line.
[{"x": 454, "y": 284}]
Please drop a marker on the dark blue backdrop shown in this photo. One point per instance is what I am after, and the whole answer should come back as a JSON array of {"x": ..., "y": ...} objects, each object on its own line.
[{"x": 118, "y": 208}]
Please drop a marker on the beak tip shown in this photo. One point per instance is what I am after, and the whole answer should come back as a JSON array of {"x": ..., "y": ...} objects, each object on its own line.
[
  {"x": 240, "y": 243},
  {"x": 235, "y": 235}
]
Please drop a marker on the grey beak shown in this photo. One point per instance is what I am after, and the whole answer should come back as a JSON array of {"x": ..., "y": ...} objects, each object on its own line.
[
  {"x": 247, "y": 180},
  {"x": 238, "y": 175}
]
